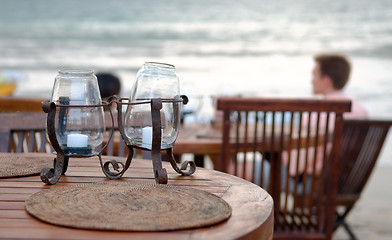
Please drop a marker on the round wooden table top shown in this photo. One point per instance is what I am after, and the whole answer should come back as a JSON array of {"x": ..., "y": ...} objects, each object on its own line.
[{"x": 252, "y": 207}]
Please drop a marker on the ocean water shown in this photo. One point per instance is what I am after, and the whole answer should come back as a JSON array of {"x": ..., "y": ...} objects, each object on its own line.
[{"x": 219, "y": 47}]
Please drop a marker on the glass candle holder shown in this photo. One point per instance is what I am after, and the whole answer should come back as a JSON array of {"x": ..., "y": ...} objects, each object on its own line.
[
  {"x": 152, "y": 117},
  {"x": 154, "y": 80},
  {"x": 80, "y": 122}
]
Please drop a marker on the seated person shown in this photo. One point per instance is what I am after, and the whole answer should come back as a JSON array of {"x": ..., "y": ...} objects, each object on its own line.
[{"x": 329, "y": 76}]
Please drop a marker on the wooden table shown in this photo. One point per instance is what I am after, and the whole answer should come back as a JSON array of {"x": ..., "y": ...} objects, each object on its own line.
[{"x": 252, "y": 207}]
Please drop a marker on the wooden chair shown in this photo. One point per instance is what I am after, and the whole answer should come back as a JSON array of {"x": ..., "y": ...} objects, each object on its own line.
[
  {"x": 362, "y": 142},
  {"x": 22, "y": 125},
  {"x": 258, "y": 132},
  {"x": 23, "y": 132}
]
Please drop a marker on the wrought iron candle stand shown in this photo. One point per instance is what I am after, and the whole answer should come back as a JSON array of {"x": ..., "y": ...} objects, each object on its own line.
[
  {"x": 52, "y": 175},
  {"x": 160, "y": 173}
]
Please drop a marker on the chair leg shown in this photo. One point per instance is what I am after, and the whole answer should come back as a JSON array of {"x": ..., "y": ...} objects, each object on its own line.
[
  {"x": 349, "y": 230},
  {"x": 340, "y": 222}
]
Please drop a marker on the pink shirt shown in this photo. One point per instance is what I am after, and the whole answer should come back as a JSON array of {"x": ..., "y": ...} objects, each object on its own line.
[{"x": 357, "y": 110}]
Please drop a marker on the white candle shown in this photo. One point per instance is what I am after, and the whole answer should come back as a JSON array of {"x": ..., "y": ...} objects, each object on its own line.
[
  {"x": 147, "y": 135},
  {"x": 77, "y": 140}
]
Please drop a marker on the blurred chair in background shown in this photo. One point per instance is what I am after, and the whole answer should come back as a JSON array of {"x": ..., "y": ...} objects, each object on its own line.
[
  {"x": 254, "y": 127},
  {"x": 23, "y": 132},
  {"x": 361, "y": 145}
]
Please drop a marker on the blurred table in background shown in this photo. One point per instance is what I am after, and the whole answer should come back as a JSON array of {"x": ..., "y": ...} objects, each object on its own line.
[{"x": 200, "y": 139}]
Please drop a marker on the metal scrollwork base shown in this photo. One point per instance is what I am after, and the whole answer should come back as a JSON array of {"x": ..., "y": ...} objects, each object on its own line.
[
  {"x": 184, "y": 165},
  {"x": 118, "y": 167},
  {"x": 52, "y": 175},
  {"x": 160, "y": 173}
]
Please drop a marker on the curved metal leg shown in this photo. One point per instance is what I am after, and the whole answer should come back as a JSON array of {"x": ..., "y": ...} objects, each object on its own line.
[
  {"x": 160, "y": 176},
  {"x": 117, "y": 174},
  {"x": 65, "y": 167},
  {"x": 159, "y": 172},
  {"x": 52, "y": 175},
  {"x": 184, "y": 165}
]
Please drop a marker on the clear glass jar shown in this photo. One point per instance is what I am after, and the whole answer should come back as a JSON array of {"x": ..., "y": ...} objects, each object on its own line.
[
  {"x": 154, "y": 80},
  {"x": 79, "y": 129}
]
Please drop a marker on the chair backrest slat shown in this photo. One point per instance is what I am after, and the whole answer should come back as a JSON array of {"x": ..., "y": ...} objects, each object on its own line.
[
  {"x": 32, "y": 142},
  {"x": 43, "y": 141},
  {"x": 19, "y": 140}
]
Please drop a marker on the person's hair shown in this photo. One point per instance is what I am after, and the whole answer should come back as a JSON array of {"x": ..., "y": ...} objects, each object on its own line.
[
  {"x": 336, "y": 67},
  {"x": 109, "y": 84}
]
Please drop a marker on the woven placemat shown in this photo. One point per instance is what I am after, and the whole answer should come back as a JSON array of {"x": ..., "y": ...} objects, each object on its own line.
[
  {"x": 20, "y": 165},
  {"x": 125, "y": 206}
]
